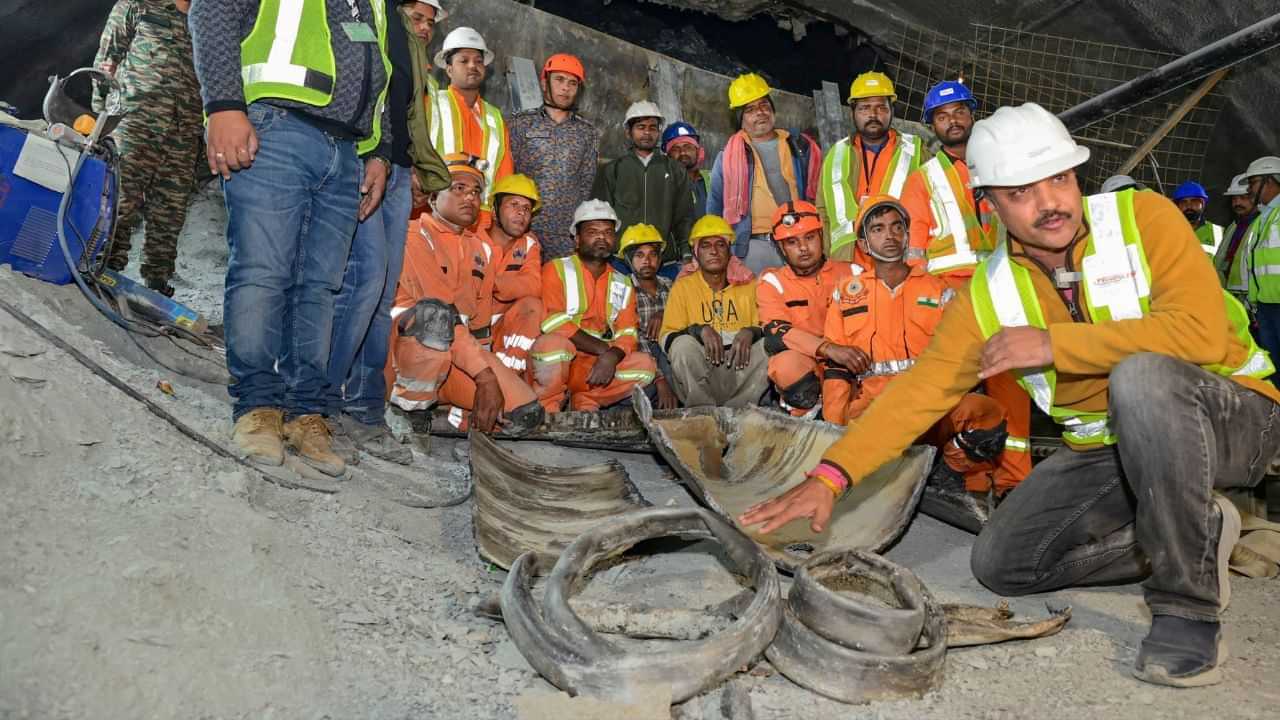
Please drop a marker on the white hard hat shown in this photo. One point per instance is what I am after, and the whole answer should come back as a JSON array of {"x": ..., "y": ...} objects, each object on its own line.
[
  {"x": 1020, "y": 145},
  {"x": 1239, "y": 185},
  {"x": 441, "y": 13},
  {"x": 642, "y": 109},
  {"x": 1118, "y": 182},
  {"x": 1265, "y": 165},
  {"x": 594, "y": 210},
  {"x": 463, "y": 38}
]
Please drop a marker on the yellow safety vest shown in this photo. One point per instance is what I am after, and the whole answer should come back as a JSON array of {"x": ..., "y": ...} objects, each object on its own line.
[
  {"x": 1117, "y": 286},
  {"x": 1210, "y": 236},
  {"x": 840, "y": 170},
  {"x": 959, "y": 240},
  {"x": 577, "y": 300},
  {"x": 1262, "y": 266},
  {"x": 1233, "y": 278},
  {"x": 446, "y": 128}
]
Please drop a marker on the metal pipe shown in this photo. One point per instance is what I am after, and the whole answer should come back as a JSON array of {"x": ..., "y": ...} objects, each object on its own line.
[{"x": 1234, "y": 48}]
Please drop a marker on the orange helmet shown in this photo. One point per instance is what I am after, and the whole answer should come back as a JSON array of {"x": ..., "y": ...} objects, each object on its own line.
[
  {"x": 876, "y": 202},
  {"x": 565, "y": 63},
  {"x": 795, "y": 218}
]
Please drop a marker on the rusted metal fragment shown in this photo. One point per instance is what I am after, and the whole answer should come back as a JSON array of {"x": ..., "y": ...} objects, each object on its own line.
[
  {"x": 573, "y": 657},
  {"x": 804, "y": 654},
  {"x": 973, "y": 625},
  {"x": 613, "y": 429},
  {"x": 521, "y": 506},
  {"x": 734, "y": 458}
]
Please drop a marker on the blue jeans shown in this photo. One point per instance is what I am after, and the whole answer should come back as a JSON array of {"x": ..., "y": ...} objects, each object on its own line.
[
  {"x": 1268, "y": 317},
  {"x": 290, "y": 218},
  {"x": 362, "y": 313}
]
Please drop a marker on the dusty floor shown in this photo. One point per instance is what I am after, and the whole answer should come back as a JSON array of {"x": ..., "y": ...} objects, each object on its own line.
[{"x": 143, "y": 577}]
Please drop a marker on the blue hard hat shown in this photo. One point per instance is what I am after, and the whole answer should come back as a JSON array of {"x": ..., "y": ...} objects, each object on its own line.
[
  {"x": 676, "y": 130},
  {"x": 1190, "y": 189},
  {"x": 947, "y": 91}
]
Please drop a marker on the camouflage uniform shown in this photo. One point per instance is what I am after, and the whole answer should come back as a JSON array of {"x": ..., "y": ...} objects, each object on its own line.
[{"x": 148, "y": 42}]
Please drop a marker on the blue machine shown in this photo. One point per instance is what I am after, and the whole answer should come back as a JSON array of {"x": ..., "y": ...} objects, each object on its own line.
[{"x": 29, "y": 212}]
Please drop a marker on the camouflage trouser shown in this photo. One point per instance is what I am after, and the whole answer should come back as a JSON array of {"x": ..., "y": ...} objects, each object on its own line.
[{"x": 156, "y": 161}]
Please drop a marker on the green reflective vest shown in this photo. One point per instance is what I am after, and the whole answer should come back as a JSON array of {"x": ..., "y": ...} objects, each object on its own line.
[
  {"x": 289, "y": 55},
  {"x": 1116, "y": 283},
  {"x": 1233, "y": 277},
  {"x": 577, "y": 298},
  {"x": 840, "y": 172},
  {"x": 1262, "y": 268},
  {"x": 1210, "y": 237}
]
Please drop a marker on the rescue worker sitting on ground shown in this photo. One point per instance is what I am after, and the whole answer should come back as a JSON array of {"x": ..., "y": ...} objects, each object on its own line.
[
  {"x": 589, "y": 349},
  {"x": 1119, "y": 332},
  {"x": 710, "y": 328},
  {"x": 515, "y": 264},
  {"x": 641, "y": 248},
  {"x": 1192, "y": 199},
  {"x": 436, "y": 358},
  {"x": 879, "y": 322},
  {"x": 793, "y": 301}
]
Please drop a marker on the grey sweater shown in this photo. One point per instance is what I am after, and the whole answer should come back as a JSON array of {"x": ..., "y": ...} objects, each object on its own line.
[{"x": 219, "y": 26}]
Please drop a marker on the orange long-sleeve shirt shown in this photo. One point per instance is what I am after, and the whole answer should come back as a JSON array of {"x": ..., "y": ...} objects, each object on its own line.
[
  {"x": 1187, "y": 320},
  {"x": 443, "y": 264},
  {"x": 517, "y": 271},
  {"x": 622, "y": 334},
  {"x": 796, "y": 307}
]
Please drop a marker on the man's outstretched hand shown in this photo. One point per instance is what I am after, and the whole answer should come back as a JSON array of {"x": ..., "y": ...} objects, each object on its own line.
[{"x": 810, "y": 499}]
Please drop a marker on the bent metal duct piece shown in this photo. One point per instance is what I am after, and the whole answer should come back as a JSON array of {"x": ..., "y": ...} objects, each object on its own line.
[
  {"x": 573, "y": 657},
  {"x": 520, "y": 506},
  {"x": 815, "y": 646},
  {"x": 734, "y": 458}
]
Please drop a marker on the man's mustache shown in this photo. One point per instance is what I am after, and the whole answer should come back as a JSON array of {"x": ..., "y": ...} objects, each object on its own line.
[{"x": 1049, "y": 216}]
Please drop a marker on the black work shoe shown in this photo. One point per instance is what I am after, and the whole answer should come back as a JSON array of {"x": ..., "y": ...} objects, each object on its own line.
[
  {"x": 1181, "y": 653},
  {"x": 376, "y": 440},
  {"x": 161, "y": 286}
]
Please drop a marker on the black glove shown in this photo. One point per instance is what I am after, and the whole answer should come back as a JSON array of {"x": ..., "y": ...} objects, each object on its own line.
[
  {"x": 431, "y": 323},
  {"x": 983, "y": 445}
]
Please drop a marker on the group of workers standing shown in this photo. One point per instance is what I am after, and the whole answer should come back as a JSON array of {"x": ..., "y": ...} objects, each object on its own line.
[{"x": 393, "y": 238}]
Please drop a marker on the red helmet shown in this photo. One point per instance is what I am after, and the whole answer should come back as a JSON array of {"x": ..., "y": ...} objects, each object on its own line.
[{"x": 565, "y": 63}]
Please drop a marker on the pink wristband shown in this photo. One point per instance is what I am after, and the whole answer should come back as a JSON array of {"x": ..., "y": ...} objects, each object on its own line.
[{"x": 832, "y": 474}]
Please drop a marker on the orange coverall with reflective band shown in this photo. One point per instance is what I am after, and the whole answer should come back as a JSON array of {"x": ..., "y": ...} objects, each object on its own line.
[
  {"x": 893, "y": 327},
  {"x": 795, "y": 309},
  {"x": 515, "y": 310},
  {"x": 558, "y": 368},
  {"x": 441, "y": 263}
]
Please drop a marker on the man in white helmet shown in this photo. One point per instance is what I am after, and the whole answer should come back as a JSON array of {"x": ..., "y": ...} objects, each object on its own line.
[
  {"x": 589, "y": 353},
  {"x": 464, "y": 122},
  {"x": 1261, "y": 265},
  {"x": 1116, "y": 327},
  {"x": 1239, "y": 234},
  {"x": 647, "y": 186}
]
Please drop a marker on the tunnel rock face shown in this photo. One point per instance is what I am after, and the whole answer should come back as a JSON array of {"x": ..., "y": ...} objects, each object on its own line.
[{"x": 795, "y": 43}]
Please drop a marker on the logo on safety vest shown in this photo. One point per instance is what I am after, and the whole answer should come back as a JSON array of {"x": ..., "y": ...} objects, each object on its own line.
[{"x": 1112, "y": 279}]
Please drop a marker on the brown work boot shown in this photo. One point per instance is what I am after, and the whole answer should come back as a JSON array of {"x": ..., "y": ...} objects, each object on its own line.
[
  {"x": 309, "y": 437},
  {"x": 259, "y": 434}
]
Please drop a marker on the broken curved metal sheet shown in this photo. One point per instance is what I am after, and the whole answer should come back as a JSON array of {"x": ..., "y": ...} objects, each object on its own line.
[
  {"x": 863, "y": 601},
  {"x": 804, "y": 654},
  {"x": 573, "y": 657},
  {"x": 521, "y": 506},
  {"x": 733, "y": 458},
  {"x": 969, "y": 625}
]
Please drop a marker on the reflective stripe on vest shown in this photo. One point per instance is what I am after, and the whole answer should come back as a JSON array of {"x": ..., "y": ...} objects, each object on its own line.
[
  {"x": 288, "y": 53},
  {"x": 1234, "y": 276},
  {"x": 573, "y": 278},
  {"x": 887, "y": 367},
  {"x": 1263, "y": 269},
  {"x": 839, "y": 183},
  {"x": 950, "y": 246},
  {"x": 1210, "y": 237},
  {"x": 1116, "y": 282},
  {"x": 446, "y": 124}
]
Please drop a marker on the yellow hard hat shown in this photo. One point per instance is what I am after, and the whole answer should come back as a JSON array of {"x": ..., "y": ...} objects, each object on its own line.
[
  {"x": 746, "y": 89},
  {"x": 640, "y": 234},
  {"x": 521, "y": 185},
  {"x": 710, "y": 226},
  {"x": 872, "y": 84}
]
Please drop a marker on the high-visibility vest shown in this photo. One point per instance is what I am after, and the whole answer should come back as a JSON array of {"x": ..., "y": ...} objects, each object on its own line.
[
  {"x": 840, "y": 170},
  {"x": 1234, "y": 278},
  {"x": 1262, "y": 267},
  {"x": 958, "y": 241},
  {"x": 1117, "y": 286},
  {"x": 289, "y": 55},
  {"x": 577, "y": 298},
  {"x": 1210, "y": 236},
  {"x": 446, "y": 129}
]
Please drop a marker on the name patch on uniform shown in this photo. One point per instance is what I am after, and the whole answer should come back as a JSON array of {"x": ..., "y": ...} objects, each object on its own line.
[{"x": 850, "y": 312}]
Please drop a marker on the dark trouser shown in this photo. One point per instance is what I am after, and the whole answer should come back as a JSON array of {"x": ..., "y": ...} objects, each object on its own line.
[
  {"x": 1141, "y": 508},
  {"x": 1268, "y": 336}
]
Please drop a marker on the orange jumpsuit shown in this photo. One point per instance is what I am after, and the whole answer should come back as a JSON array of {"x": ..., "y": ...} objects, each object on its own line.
[
  {"x": 603, "y": 307},
  {"x": 515, "y": 301},
  {"x": 442, "y": 264},
  {"x": 893, "y": 326},
  {"x": 927, "y": 246},
  {"x": 793, "y": 310}
]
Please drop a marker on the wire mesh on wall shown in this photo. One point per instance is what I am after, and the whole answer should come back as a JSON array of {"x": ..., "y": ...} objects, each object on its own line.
[{"x": 1008, "y": 66}]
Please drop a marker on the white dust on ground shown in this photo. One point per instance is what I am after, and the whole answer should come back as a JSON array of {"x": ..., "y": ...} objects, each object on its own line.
[{"x": 142, "y": 576}]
